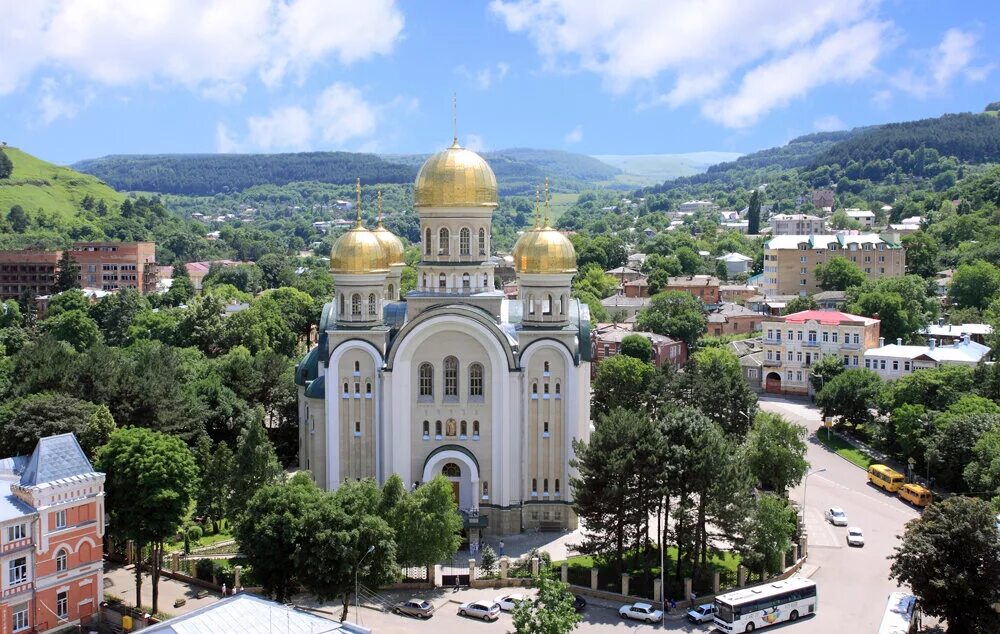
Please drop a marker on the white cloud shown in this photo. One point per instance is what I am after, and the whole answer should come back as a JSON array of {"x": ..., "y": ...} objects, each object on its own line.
[
  {"x": 53, "y": 103},
  {"x": 829, "y": 123},
  {"x": 342, "y": 114},
  {"x": 288, "y": 128},
  {"x": 475, "y": 142},
  {"x": 574, "y": 136},
  {"x": 213, "y": 46},
  {"x": 952, "y": 58},
  {"x": 486, "y": 77},
  {"x": 224, "y": 141}
]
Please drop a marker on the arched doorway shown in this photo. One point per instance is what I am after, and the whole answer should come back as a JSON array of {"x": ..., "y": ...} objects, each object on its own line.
[
  {"x": 454, "y": 474},
  {"x": 772, "y": 384},
  {"x": 460, "y": 467}
]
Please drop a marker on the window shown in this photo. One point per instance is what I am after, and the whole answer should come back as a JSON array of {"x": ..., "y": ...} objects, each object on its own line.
[
  {"x": 833, "y": 337},
  {"x": 482, "y": 242},
  {"x": 545, "y": 368},
  {"x": 17, "y": 571},
  {"x": 802, "y": 271},
  {"x": 463, "y": 430},
  {"x": 16, "y": 532},
  {"x": 475, "y": 429},
  {"x": 19, "y": 617},
  {"x": 346, "y": 390},
  {"x": 476, "y": 380},
  {"x": 342, "y": 305},
  {"x": 368, "y": 388},
  {"x": 531, "y": 304},
  {"x": 881, "y": 364},
  {"x": 486, "y": 490},
  {"x": 789, "y": 355},
  {"x": 906, "y": 365},
  {"x": 788, "y": 375},
  {"x": 62, "y": 561},
  {"x": 798, "y": 356},
  {"x": 789, "y": 335},
  {"x": 391, "y": 293},
  {"x": 547, "y": 305},
  {"x": 437, "y": 429},
  {"x": 355, "y": 305},
  {"x": 426, "y": 373},
  {"x": 856, "y": 340},
  {"x": 534, "y": 389},
  {"x": 895, "y": 365},
  {"x": 427, "y": 242},
  {"x": 545, "y": 388},
  {"x": 812, "y": 336},
  {"x": 357, "y": 389},
  {"x": 60, "y": 519},
  {"x": 545, "y": 486},
  {"x": 558, "y": 392},
  {"x": 444, "y": 248},
  {"x": 62, "y": 605},
  {"x": 798, "y": 335},
  {"x": 451, "y": 470},
  {"x": 557, "y": 486},
  {"x": 450, "y": 376},
  {"x": 798, "y": 375},
  {"x": 545, "y": 429},
  {"x": 427, "y": 429},
  {"x": 463, "y": 242},
  {"x": 357, "y": 428},
  {"x": 486, "y": 280},
  {"x": 868, "y": 363},
  {"x": 357, "y": 368},
  {"x": 466, "y": 282},
  {"x": 534, "y": 486},
  {"x": 826, "y": 336},
  {"x": 371, "y": 305},
  {"x": 442, "y": 281},
  {"x": 802, "y": 282}
]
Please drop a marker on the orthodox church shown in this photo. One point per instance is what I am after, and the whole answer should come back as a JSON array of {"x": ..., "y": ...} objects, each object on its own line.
[{"x": 454, "y": 379}]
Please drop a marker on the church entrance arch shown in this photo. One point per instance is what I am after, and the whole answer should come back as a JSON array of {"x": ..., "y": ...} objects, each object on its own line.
[{"x": 461, "y": 468}]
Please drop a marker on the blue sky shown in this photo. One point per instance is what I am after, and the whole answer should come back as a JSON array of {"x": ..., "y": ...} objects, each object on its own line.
[{"x": 85, "y": 78}]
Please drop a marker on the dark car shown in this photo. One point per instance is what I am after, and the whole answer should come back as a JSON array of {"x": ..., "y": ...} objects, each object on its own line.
[
  {"x": 415, "y": 607},
  {"x": 579, "y": 603}
]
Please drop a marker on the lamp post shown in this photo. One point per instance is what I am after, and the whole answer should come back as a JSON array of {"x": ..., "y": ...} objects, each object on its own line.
[
  {"x": 805, "y": 491},
  {"x": 371, "y": 549}
]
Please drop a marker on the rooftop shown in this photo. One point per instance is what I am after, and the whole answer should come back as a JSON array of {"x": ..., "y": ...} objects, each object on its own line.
[
  {"x": 734, "y": 257},
  {"x": 780, "y": 217},
  {"x": 617, "y": 334},
  {"x": 623, "y": 270},
  {"x": 959, "y": 352},
  {"x": 623, "y": 301},
  {"x": 951, "y": 330},
  {"x": 729, "y": 309},
  {"x": 55, "y": 458},
  {"x": 693, "y": 280},
  {"x": 828, "y": 318},
  {"x": 248, "y": 614},
  {"x": 824, "y": 241}
]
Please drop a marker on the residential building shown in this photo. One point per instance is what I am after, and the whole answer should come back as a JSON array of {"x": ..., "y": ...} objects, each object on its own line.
[
  {"x": 637, "y": 288},
  {"x": 796, "y": 224},
  {"x": 737, "y": 293},
  {"x": 198, "y": 270},
  {"x": 623, "y": 307},
  {"x": 740, "y": 226},
  {"x": 768, "y": 304},
  {"x": 51, "y": 532},
  {"x": 736, "y": 263},
  {"x": 790, "y": 261},
  {"x": 732, "y": 319},
  {"x": 822, "y": 198},
  {"x": 750, "y": 352},
  {"x": 704, "y": 287},
  {"x": 896, "y": 360},
  {"x": 32, "y": 271},
  {"x": 793, "y": 343},
  {"x": 696, "y": 205},
  {"x": 607, "y": 340},
  {"x": 949, "y": 332},
  {"x": 106, "y": 266},
  {"x": 624, "y": 274},
  {"x": 864, "y": 216},
  {"x": 831, "y": 300},
  {"x": 636, "y": 260}
]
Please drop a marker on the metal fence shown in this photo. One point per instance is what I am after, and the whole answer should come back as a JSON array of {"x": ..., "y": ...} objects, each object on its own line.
[
  {"x": 414, "y": 573},
  {"x": 578, "y": 576},
  {"x": 519, "y": 568}
]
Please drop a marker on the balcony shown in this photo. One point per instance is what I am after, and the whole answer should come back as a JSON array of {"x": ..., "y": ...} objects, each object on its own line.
[
  {"x": 472, "y": 519},
  {"x": 810, "y": 344},
  {"x": 772, "y": 342},
  {"x": 851, "y": 346},
  {"x": 771, "y": 363}
]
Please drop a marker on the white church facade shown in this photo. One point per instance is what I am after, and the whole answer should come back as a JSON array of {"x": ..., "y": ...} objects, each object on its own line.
[{"x": 455, "y": 379}]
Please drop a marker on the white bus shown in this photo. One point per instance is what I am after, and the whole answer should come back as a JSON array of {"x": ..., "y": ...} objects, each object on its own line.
[
  {"x": 747, "y": 609},
  {"x": 899, "y": 614}
]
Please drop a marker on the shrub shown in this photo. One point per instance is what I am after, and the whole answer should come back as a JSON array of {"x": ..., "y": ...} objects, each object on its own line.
[
  {"x": 194, "y": 533},
  {"x": 488, "y": 559},
  {"x": 203, "y": 569}
]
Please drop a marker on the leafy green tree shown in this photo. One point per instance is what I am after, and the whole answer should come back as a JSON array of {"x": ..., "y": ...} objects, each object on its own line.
[
  {"x": 97, "y": 432},
  {"x": 753, "y": 213},
  {"x": 63, "y": 302},
  {"x": 180, "y": 292},
  {"x": 799, "y": 304},
  {"x": 592, "y": 279},
  {"x": 983, "y": 471},
  {"x": 154, "y": 326},
  {"x": 691, "y": 263},
  {"x": 598, "y": 314},
  {"x": 275, "y": 270},
  {"x": 246, "y": 277},
  {"x": 115, "y": 313},
  {"x": 935, "y": 388},
  {"x": 10, "y": 316},
  {"x": 766, "y": 534},
  {"x": 202, "y": 326},
  {"x": 673, "y": 314},
  {"x": 975, "y": 284},
  {"x": 840, "y": 220},
  {"x": 68, "y": 275},
  {"x": 621, "y": 381},
  {"x": 270, "y": 530},
  {"x": 74, "y": 327},
  {"x": 637, "y": 347},
  {"x": 488, "y": 559},
  {"x": 950, "y": 558},
  {"x": 149, "y": 485},
  {"x": 216, "y": 487},
  {"x": 255, "y": 463},
  {"x": 25, "y": 420},
  {"x": 426, "y": 524},
  {"x": 824, "y": 370},
  {"x": 901, "y": 303},
  {"x": 776, "y": 452},
  {"x": 714, "y": 383},
  {"x": 950, "y": 449},
  {"x": 6, "y": 166},
  {"x": 839, "y": 274},
  {"x": 550, "y": 613},
  {"x": 851, "y": 395},
  {"x": 911, "y": 424},
  {"x": 922, "y": 251},
  {"x": 18, "y": 218}
]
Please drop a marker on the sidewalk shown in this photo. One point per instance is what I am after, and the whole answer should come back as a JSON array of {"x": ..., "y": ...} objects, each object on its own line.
[{"x": 119, "y": 581}]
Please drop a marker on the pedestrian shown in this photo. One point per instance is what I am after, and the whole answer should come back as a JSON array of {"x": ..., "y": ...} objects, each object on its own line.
[
  {"x": 666, "y": 605},
  {"x": 673, "y": 604},
  {"x": 501, "y": 548},
  {"x": 223, "y": 589}
]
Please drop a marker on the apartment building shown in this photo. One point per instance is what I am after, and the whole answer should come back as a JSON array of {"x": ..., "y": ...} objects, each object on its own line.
[
  {"x": 864, "y": 216},
  {"x": 793, "y": 343},
  {"x": 790, "y": 261},
  {"x": 106, "y": 266},
  {"x": 51, "y": 531},
  {"x": 796, "y": 224},
  {"x": 34, "y": 271},
  {"x": 895, "y": 360}
]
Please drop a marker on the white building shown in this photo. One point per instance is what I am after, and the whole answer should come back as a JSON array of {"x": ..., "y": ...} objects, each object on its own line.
[
  {"x": 896, "y": 360},
  {"x": 736, "y": 263},
  {"x": 865, "y": 217},
  {"x": 455, "y": 380},
  {"x": 696, "y": 205},
  {"x": 796, "y": 224}
]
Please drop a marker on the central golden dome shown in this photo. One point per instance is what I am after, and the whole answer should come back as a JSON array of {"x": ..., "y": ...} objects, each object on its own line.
[
  {"x": 358, "y": 252},
  {"x": 455, "y": 177},
  {"x": 544, "y": 250}
]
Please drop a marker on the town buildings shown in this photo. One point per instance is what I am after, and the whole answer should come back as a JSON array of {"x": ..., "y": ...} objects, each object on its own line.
[
  {"x": 198, "y": 270},
  {"x": 51, "y": 532},
  {"x": 607, "y": 340},
  {"x": 790, "y": 261},
  {"x": 865, "y": 217},
  {"x": 796, "y": 224},
  {"x": 895, "y": 360},
  {"x": 637, "y": 288},
  {"x": 793, "y": 343},
  {"x": 704, "y": 287},
  {"x": 736, "y": 292},
  {"x": 950, "y": 332},
  {"x": 732, "y": 319},
  {"x": 624, "y": 307},
  {"x": 106, "y": 266},
  {"x": 736, "y": 263},
  {"x": 457, "y": 380}
]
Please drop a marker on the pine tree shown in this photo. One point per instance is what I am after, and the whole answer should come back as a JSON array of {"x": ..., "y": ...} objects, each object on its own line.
[
  {"x": 69, "y": 274},
  {"x": 754, "y": 213},
  {"x": 6, "y": 167}
]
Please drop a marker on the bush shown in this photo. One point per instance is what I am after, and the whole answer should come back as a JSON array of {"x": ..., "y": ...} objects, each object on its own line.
[
  {"x": 203, "y": 569},
  {"x": 488, "y": 559},
  {"x": 194, "y": 533}
]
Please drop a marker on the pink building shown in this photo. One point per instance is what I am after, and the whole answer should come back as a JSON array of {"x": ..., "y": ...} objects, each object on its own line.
[
  {"x": 607, "y": 341},
  {"x": 51, "y": 529}
]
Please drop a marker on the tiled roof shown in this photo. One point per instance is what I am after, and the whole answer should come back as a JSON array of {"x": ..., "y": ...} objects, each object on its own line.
[
  {"x": 960, "y": 352},
  {"x": 55, "y": 458},
  {"x": 622, "y": 301},
  {"x": 693, "y": 280}
]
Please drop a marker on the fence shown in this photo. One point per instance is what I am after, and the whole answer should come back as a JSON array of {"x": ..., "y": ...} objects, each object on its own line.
[
  {"x": 519, "y": 568},
  {"x": 414, "y": 573}
]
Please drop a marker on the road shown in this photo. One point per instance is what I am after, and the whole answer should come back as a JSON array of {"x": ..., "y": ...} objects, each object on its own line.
[{"x": 853, "y": 582}]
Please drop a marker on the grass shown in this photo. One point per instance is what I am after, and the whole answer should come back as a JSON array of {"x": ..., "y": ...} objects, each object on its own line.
[
  {"x": 36, "y": 184},
  {"x": 832, "y": 441},
  {"x": 559, "y": 203},
  {"x": 206, "y": 540}
]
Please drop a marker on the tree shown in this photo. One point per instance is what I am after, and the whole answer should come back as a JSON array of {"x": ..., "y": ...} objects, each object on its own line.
[
  {"x": 921, "y": 253},
  {"x": 691, "y": 263},
  {"x": 425, "y": 522},
  {"x": 598, "y": 314},
  {"x": 798, "y": 304},
  {"x": 951, "y": 447},
  {"x": 935, "y": 388},
  {"x": 97, "y": 432},
  {"x": 714, "y": 383},
  {"x": 673, "y": 314},
  {"x": 269, "y": 531},
  {"x": 551, "y": 612},
  {"x": 24, "y": 421},
  {"x": 74, "y": 327},
  {"x": 69, "y": 273},
  {"x": 983, "y": 471},
  {"x": 216, "y": 487},
  {"x": 18, "y": 219},
  {"x": 63, "y": 302},
  {"x": 6, "y": 166},
  {"x": 246, "y": 277},
  {"x": 766, "y": 534},
  {"x": 910, "y": 424},
  {"x": 975, "y": 284},
  {"x": 852, "y": 395},
  {"x": 180, "y": 292},
  {"x": 621, "y": 381},
  {"x": 824, "y": 370},
  {"x": 950, "y": 558},
  {"x": 115, "y": 313},
  {"x": 839, "y": 274},
  {"x": 776, "y": 452},
  {"x": 753, "y": 213},
  {"x": 150, "y": 480},
  {"x": 592, "y": 279},
  {"x": 637, "y": 347},
  {"x": 901, "y": 303},
  {"x": 255, "y": 464}
]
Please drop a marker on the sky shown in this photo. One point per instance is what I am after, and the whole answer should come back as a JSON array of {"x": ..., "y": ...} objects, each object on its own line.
[{"x": 87, "y": 78}]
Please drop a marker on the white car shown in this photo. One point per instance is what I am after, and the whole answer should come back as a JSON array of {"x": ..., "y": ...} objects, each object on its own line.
[
  {"x": 836, "y": 516},
  {"x": 640, "y": 612},
  {"x": 855, "y": 537},
  {"x": 704, "y": 613},
  {"x": 510, "y": 601},
  {"x": 485, "y": 610}
]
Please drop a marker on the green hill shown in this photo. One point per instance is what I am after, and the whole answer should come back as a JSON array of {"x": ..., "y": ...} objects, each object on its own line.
[
  {"x": 36, "y": 184},
  {"x": 648, "y": 169}
]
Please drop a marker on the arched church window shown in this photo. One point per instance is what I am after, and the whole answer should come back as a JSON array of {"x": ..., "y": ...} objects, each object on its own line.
[
  {"x": 562, "y": 308},
  {"x": 475, "y": 428},
  {"x": 62, "y": 560},
  {"x": 482, "y": 242},
  {"x": 357, "y": 366},
  {"x": 341, "y": 304},
  {"x": 451, "y": 470},
  {"x": 437, "y": 428},
  {"x": 475, "y": 380},
  {"x": 451, "y": 427},
  {"x": 534, "y": 486},
  {"x": 371, "y": 304},
  {"x": 557, "y": 486},
  {"x": 444, "y": 239},
  {"x": 531, "y": 304},
  {"x": 427, "y": 241},
  {"x": 463, "y": 241},
  {"x": 425, "y": 281},
  {"x": 346, "y": 389},
  {"x": 426, "y": 379},
  {"x": 466, "y": 282},
  {"x": 558, "y": 391},
  {"x": 486, "y": 490},
  {"x": 463, "y": 429},
  {"x": 547, "y": 305},
  {"x": 368, "y": 388},
  {"x": 545, "y": 486},
  {"x": 534, "y": 388},
  {"x": 546, "y": 366},
  {"x": 427, "y": 428},
  {"x": 392, "y": 294},
  {"x": 450, "y": 376},
  {"x": 442, "y": 281},
  {"x": 356, "y": 305}
]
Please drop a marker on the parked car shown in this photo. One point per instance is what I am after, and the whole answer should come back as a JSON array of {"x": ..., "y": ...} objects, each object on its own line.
[
  {"x": 508, "y": 602},
  {"x": 855, "y": 537},
  {"x": 704, "y": 613},
  {"x": 579, "y": 603},
  {"x": 415, "y": 607},
  {"x": 485, "y": 610},
  {"x": 640, "y": 612},
  {"x": 836, "y": 516}
]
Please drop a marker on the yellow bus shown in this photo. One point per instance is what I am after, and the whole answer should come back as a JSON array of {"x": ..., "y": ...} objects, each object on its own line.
[
  {"x": 884, "y": 477},
  {"x": 915, "y": 494}
]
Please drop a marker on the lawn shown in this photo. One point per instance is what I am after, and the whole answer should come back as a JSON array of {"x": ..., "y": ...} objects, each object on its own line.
[
  {"x": 641, "y": 580},
  {"x": 836, "y": 444},
  {"x": 206, "y": 540}
]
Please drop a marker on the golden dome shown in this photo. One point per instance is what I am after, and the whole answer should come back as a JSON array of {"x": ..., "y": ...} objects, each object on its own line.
[
  {"x": 544, "y": 250},
  {"x": 455, "y": 177},
  {"x": 359, "y": 251},
  {"x": 391, "y": 245}
]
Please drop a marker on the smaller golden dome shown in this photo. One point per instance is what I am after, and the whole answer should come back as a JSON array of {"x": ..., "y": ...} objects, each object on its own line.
[
  {"x": 544, "y": 250},
  {"x": 455, "y": 177},
  {"x": 391, "y": 244},
  {"x": 359, "y": 251}
]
